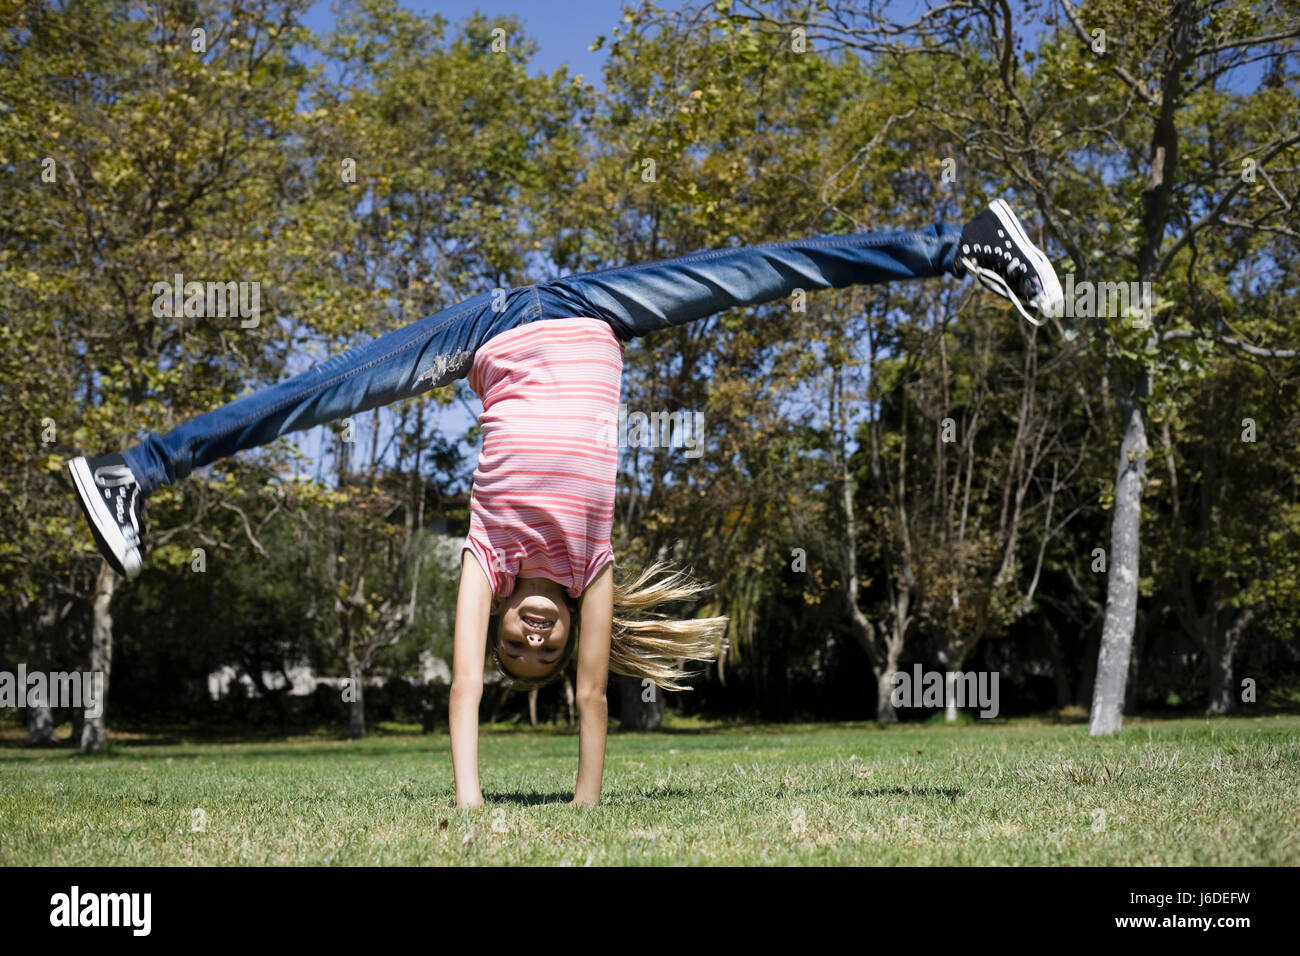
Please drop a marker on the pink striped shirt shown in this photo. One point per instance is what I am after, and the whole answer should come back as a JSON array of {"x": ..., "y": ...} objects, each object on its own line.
[{"x": 542, "y": 504}]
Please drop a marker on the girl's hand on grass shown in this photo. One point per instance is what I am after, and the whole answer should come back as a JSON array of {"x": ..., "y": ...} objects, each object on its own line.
[
  {"x": 473, "y": 606},
  {"x": 597, "y": 613}
]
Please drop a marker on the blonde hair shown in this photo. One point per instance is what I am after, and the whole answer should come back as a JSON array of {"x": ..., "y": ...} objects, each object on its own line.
[{"x": 644, "y": 643}]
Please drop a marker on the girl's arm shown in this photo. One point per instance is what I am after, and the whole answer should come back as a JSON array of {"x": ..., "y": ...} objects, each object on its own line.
[
  {"x": 473, "y": 608},
  {"x": 597, "y": 612}
]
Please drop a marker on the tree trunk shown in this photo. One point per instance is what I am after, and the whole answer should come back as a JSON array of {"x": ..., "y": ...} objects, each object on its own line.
[
  {"x": 1134, "y": 661},
  {"x": 532, "y": 707},
  {"x": 569, "y": 698},
  {"x": 40, "y": 718},
  {"x": 1219, "y": 655},
  {"x": 629, "y": 703},
  {"x": 885, "y": 713},
  {"x": 496, "y": 707},
  {"x": 357, "y": 706},
  {"x": 40, "y": 724},
  {"x": 1221, "y": 649},
  {"x": 1107, "y": 716},
  {"x": 653, "y": 710},
  {"x": 1059, "y": 675},
  {"x": 94, "y": 730},
  {"x": 1089, "y": 678}
]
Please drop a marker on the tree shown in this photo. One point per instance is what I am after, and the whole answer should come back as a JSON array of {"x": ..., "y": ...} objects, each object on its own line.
[
  {"x": 138, "y": 153},
  {"x": 1116, "y": 135}
]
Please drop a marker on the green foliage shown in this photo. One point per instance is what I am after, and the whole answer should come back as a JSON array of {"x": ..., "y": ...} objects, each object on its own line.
[{"x": 371, "y": 177}]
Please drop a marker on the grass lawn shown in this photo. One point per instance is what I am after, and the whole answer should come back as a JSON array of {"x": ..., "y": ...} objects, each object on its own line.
[{"x": 1194, "y": 791}]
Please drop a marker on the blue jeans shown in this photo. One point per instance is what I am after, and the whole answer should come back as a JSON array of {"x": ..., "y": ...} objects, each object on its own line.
[{"x": 634, "y": 300}]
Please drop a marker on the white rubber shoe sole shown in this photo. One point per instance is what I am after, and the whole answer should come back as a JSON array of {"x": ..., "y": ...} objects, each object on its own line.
[
  {"x": 1050, "y": 301},
  {"x": 1053, "y": 298},
  {"x": 121, "y": 552}
]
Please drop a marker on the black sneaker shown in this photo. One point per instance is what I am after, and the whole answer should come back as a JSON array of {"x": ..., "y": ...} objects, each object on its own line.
[
  {"x": 114, "y": 507},
  {"x": 995, "y": 249}
]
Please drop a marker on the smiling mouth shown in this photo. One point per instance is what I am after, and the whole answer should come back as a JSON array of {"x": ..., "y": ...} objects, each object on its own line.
[{"x": 536, "y": 622}]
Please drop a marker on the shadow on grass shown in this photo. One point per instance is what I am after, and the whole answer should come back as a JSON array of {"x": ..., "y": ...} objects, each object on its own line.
[
  {"x": 535, "y": 799},
  {"x": 773, "y": 729},
  {"x": 950, "y": 793},
  {"x": 526, "y": 799},
  {"x": 140, "y": 751},
  {"x": 172, "y": 738}
]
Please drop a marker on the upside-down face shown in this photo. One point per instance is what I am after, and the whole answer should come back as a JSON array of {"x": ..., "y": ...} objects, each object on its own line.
[{"x": 533, "y": 627}]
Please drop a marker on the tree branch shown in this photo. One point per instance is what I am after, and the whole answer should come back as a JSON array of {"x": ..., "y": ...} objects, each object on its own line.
[{"x": 1246, "y": 347}]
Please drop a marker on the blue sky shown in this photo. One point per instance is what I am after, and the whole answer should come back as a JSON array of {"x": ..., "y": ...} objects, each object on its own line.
[{"x": 563, "y": 30}]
